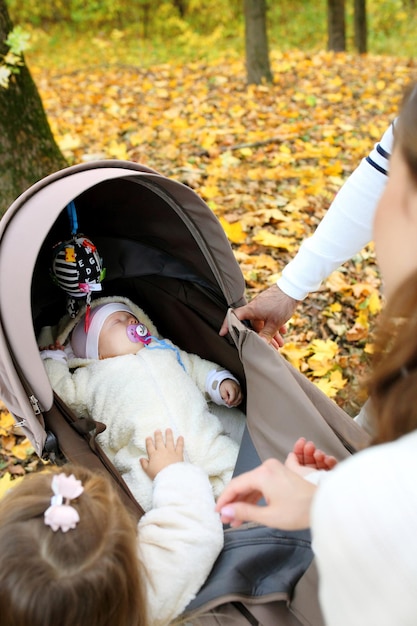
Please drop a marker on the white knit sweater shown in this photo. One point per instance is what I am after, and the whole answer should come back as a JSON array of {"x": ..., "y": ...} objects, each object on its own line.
[{"x": 364, "y": 522}]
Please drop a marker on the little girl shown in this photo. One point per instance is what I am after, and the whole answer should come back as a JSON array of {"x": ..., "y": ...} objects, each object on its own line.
[
  {"x": 117, "y": 369},
  {"x": 71, "y": 555}
]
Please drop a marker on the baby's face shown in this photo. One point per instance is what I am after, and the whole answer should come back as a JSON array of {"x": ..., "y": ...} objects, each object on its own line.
[{"x": 113, "y": 339}]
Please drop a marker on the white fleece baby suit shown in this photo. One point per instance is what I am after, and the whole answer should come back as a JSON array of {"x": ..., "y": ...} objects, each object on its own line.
[{"x": 135, "y": 394}]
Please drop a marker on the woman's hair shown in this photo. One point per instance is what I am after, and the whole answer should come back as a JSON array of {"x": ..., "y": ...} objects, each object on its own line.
[
  {"x": 88, "y": 576},
  {"x": 405, "y": 133},
  {"x": 393, "y": 383}
]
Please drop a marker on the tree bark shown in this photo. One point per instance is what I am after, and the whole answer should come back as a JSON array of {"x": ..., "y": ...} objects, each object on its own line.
[
  {"x": 258, "y": 68},
  {"x": 360, "y": 26},
  {"x": 336, "y": 25},
  {"x": 28, "y": 151}
]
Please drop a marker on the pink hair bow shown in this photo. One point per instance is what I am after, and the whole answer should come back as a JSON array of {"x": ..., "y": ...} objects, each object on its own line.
[{"x": 61, "y": 515}]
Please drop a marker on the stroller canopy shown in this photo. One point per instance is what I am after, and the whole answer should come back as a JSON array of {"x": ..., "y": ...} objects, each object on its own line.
[{"x": 151, "y": 231}]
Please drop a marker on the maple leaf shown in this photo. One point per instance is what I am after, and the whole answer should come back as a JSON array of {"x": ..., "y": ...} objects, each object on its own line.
[
  {"x": 322, "y": 359},
  {"x": 266, "y": 238},
  {"x": 234, "y": 231},
  {"x": 324, "y": 349},
  {"x": 294, "y": 353},
  {"x": 331, "y": 385},
  {"x": 319, "y": 366}
]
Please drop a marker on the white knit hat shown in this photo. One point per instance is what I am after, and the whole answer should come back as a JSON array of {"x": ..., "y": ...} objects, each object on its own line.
[
  {"x": 85, "y": 343},
  {"x": 67, "y": 324}
]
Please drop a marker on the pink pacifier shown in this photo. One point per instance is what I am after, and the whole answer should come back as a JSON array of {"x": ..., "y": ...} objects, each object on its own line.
[{"x": 138, "y": 333}]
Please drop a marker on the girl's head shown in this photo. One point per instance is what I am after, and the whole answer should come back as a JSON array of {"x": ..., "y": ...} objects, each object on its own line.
[
  {"x": 110, "y": 331},
  {"x": 88, "y": 576},
  {"x": 393, "y": 385}
]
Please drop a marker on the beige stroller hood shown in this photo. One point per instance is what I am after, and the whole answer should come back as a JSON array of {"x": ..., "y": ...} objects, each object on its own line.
[{"x": 121, "y": 204}]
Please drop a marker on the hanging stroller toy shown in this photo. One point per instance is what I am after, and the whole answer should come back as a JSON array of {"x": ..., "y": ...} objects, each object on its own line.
[{"x": 77, "y": 267}]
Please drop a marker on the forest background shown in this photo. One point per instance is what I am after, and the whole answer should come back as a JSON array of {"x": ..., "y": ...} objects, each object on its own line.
[{"x": 164, "y": 84}]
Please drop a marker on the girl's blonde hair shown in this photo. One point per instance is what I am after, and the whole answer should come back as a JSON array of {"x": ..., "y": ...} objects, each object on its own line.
[
  {"x": 88, "y": 576},
  {"x": 393, "y": 383}
]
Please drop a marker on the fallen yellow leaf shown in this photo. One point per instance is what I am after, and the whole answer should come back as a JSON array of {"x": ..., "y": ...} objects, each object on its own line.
[
  {"x": 6, "y": 483},
  {"x": 7, "y": 422},
  {"x": 266, "y": 238},
  {"x": 319, "y": 366},
  {"x": 374, "y": 304},
  {"x": 337, "y": 282},
  {"x": 22, "y": 450},
  {"x": 294, "y": 354},
  {"x": 330, "y": 386},
  {"x": 324, "y": 348},
  {"x": 233, "y": 230}
]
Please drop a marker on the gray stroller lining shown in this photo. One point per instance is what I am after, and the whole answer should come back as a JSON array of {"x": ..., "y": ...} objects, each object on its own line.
[{"x": 257, "y": 564}]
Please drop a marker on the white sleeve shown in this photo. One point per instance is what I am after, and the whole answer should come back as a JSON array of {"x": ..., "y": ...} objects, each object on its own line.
[
  {"x": 56, "y": 355},
  {"x": 73, "y": 388},
  {"x": 213, "y": 381},
  {"x": 179, "y": 540},
  {"x": 316, "y": 477},
  {"x": 345, "y": 229}
]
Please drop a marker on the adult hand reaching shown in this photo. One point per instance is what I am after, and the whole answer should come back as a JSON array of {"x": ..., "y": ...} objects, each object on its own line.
[
  {"x": 268, "y": 312},
  {"x": 288, "y": 498}
]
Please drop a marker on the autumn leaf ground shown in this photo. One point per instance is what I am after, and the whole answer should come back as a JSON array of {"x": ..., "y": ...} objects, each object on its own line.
[{"x": 267, "y": 159}]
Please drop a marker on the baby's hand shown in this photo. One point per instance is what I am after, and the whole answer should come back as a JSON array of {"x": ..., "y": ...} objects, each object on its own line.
[
  {"x": 162, "y": 453},
  {"x": 231, "y": 392},
  {"x": 305, "y": 457}
]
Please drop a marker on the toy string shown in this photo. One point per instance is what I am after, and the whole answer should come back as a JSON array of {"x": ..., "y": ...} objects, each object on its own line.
[{"x": 72, "y": 214}]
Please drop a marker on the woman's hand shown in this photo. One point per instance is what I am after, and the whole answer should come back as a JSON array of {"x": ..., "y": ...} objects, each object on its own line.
[
  {"x": 268, "y": 312},
  {"x": 288, "y": 498}
]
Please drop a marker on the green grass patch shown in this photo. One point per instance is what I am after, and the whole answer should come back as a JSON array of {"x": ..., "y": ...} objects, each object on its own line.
[{"x": 205, "y": 35}]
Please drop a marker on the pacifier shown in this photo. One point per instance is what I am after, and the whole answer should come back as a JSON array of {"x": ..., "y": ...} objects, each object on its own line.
[{"x": 138, "y": 333}]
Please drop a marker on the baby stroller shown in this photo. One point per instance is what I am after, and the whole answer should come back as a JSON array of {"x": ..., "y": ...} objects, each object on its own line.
[{"x": 164, "y": 249}]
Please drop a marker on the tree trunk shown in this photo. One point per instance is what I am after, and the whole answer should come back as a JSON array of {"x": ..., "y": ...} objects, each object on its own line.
[
  {"x": 28, "y": 151},
  {"x": 336, "y": 26},
  {"x": 182, "y": 6},
  {"x": 256, "y": 42},
  {"x": 360, "y": 26}
]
